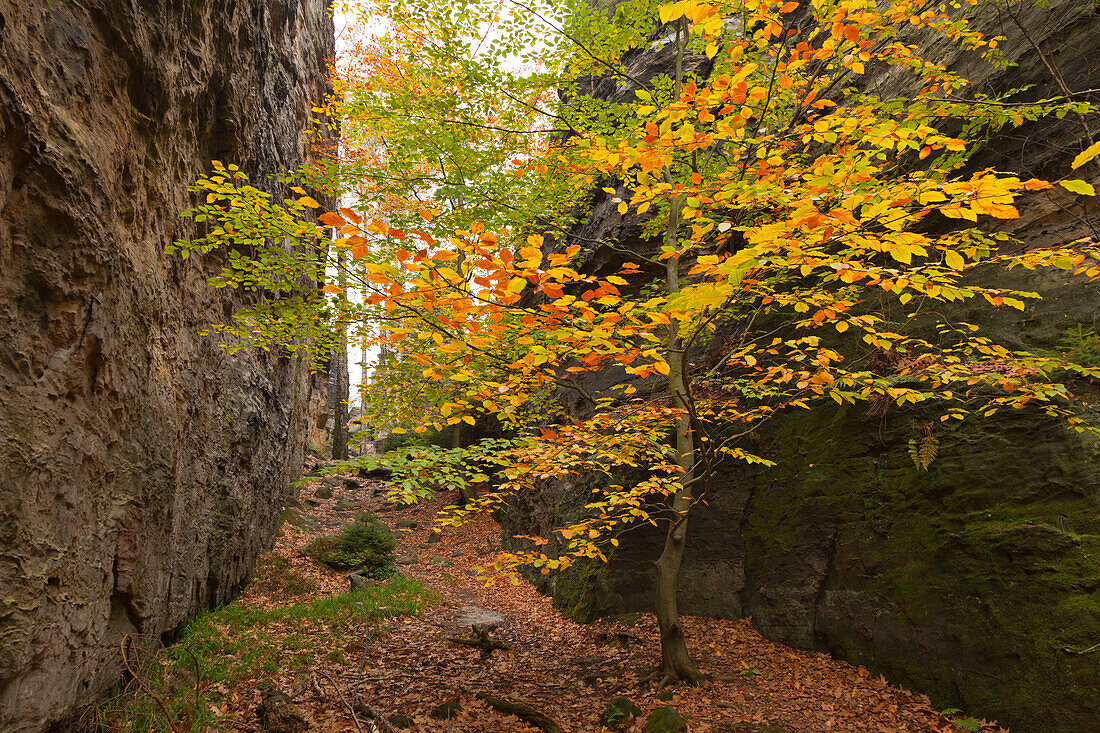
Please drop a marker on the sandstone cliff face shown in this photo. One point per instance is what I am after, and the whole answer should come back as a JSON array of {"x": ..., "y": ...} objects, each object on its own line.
[
  {"x": 141, "y": 467},
  {"x": 967, "y": 581}
]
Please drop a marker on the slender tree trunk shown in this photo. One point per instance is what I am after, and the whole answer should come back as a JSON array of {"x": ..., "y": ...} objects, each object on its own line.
[
  {"x": 676, "y": 663},
  {"x": 342, "y": 378},
  {"x": 340, "y": 403}
]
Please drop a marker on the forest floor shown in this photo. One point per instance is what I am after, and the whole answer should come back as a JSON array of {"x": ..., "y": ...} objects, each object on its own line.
[{"x": 296, "y": 629}]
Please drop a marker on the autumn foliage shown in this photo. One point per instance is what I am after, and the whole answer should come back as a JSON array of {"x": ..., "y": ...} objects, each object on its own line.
[{"x": 810, "y": 222}]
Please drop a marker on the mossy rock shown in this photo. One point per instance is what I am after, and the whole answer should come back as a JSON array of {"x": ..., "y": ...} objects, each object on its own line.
[
  {"x": 365, "y": 543},
  {"x": 401, "y": 721},
  {"x": 665, "y": 720},
  {"x": 447, "y": 710},
  {"x": 407, "y": 524},
  {"x": 618, "y": 711},
  {"x": 323, "y": 492}
]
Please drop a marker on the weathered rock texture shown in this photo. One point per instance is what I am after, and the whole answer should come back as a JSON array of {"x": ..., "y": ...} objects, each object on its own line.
[
  {"x": 141, "y": 467},
  {"x": 968, "y": 581}
]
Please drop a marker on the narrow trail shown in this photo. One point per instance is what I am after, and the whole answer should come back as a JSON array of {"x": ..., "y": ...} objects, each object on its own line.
[{"x": 564, "y": 670}]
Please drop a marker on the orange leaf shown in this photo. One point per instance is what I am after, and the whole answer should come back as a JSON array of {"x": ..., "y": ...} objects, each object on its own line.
[{"x": 352, "y": 216}]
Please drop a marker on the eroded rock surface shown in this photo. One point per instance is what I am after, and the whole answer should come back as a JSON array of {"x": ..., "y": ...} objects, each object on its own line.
[{"x": 141, "y": 466}]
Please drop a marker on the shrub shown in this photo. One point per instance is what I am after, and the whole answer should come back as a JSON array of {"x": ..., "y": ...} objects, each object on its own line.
[{"x": 365, "y": 543}]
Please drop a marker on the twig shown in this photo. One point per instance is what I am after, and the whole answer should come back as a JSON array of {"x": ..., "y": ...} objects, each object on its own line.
[
  {"x": 195, "y": 661},
  {"x": 351, "y": 710},
  {"x": 375, "y": 717},
  {"x": 1090, "y": 650},
  {"x": 141, "y": 684}
]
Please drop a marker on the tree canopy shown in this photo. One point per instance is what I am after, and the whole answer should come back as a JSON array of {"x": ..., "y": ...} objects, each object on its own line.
[{"x": 800, "y": 220}]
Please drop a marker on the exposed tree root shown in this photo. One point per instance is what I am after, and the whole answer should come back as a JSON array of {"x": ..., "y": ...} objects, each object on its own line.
[
  {"x": 525, "y": 713},
  {"x": 482, "y": 640}
]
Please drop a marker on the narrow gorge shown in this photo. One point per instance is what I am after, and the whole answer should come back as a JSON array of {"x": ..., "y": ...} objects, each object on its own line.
[{"x": 150, "y": 470}]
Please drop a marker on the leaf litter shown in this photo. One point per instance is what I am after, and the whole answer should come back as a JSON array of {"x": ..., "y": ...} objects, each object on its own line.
[{"x": 406, "y": 665}]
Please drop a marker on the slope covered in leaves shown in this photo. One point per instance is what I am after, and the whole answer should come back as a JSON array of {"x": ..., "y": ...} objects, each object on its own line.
[{"x": 297, "y": 629}]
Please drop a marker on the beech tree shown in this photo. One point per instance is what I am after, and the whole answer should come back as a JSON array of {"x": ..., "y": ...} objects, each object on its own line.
[{"x": 798, "y": 223}]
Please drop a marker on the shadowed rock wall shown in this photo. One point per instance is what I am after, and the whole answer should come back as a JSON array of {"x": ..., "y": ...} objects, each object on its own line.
[
  {"x": 141, "y": 467},
  {"x": 967, "y": 581}
]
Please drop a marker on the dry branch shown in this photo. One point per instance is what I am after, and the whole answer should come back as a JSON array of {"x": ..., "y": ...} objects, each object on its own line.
[{"x": 523, "y": 712}]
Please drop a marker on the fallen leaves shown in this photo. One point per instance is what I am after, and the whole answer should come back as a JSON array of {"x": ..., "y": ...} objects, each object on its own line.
[{"x": 565, "y": 671}]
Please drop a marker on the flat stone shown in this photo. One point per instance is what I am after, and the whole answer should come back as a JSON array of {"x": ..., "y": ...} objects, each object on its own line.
[{"x": 470, "y": 615}]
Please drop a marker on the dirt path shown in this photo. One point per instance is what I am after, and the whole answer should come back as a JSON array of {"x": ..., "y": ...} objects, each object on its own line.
[{"x": 565, "y": 670}]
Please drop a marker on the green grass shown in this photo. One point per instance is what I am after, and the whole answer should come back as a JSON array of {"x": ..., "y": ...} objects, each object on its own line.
[{"x": 219, "y": 649}]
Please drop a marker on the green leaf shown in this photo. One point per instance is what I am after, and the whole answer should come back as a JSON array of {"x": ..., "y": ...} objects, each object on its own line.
[{"x": 1078, "y": 186}]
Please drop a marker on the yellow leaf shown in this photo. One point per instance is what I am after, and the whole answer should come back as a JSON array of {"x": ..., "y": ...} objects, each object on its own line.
[
  {"x": 535, "y": 240},
  {"x": 841, "y": 326},
  {"x": 307, "y": 201},
  {"x": 332, "y": 289},
  {"x": 623, "y": 207},
  {"x": 467, "y": 419},
  {"x": 516, "y": 285},
  {"x": 1086, "y": 155},
  {"x": 663, "y": 368},
  {"x": 1077, "y": 186},
  {"x": 902, "y": 254},
  {"x": 954, "y": 259},
  {"x": 669, "y": 12},
  {"x": 712, "y": 50}
]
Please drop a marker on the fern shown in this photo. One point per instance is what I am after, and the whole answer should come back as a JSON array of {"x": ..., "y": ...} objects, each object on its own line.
[{"x": 923, "y": 451}]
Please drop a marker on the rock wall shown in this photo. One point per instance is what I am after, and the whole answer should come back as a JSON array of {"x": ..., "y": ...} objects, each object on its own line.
[
  {"x": 968, "y": 581},
  {"x": 141, "y": 466}
]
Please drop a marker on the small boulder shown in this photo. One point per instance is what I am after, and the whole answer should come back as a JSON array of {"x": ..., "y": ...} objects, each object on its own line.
[
  {"x": 619, "y": 712},
  {"x": 359, "y": 582},
  {"x": 407, "y": 560},
  {"x": 441, "y": 562},
  {"x": 435, "y": 536},
  {"x": 447, "y": 710},
  {"x": 401, "y": 721},
  {"x": 351, "y": 483},
  {"x": 407, "y": 523},
  {"x": 665, "y": 720},
  {"x": 324, "y": 492}
]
